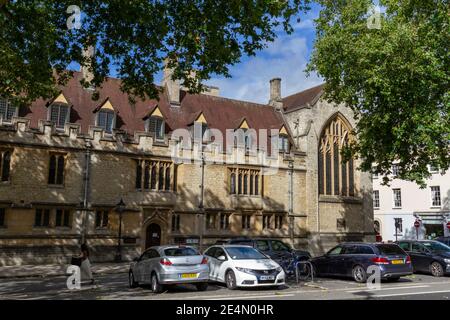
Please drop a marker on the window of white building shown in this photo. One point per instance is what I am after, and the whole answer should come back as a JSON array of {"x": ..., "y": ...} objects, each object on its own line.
[
  {"x": 376, "y": 199},
  {"x": 435, "y": 196},
  {"x": 395, "y": 170},
  {"x": 397, "y": 196}
]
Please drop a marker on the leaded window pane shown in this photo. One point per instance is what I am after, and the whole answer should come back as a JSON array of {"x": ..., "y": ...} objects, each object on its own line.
[{"x": 328, "y": 172}]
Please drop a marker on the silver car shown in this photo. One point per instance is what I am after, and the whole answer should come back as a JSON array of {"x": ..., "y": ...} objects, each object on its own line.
[{"x": 169, "y": 264}]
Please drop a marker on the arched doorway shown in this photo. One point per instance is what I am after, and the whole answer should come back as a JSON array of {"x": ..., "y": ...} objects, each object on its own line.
[{"x": 153, "y": 235}]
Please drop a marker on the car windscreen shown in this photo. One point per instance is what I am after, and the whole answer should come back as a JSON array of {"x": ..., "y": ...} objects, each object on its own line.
[
  {"x": 435, "y": 246},
  {"x": 243, "y": 253},
  {"x": 178, "y": 252},
  {"x": 390, "y": 249}
]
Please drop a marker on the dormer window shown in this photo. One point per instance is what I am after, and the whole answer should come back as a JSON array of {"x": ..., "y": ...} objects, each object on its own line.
[
  {"x": 106, "y": 120},
  {"x": 7, "y": 110},
  {"x": 283, "y": 143},
  {"x": 59, "y": 115},
  {"x": 156, "y": 126},
  {"x": 205, "y": 132}
]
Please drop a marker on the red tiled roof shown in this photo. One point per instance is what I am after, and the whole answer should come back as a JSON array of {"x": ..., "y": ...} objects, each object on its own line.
[
  {"x": 220, "y": 113},
  {"x": 300, "y": 99}
]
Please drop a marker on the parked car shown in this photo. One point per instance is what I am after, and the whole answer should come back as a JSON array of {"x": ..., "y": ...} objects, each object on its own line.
[
  {"x": 444, "y": 240},
  {"x": 353, "y": 260},
  {"x": 276, "y": 249},
  {"x": 243, "y": 266},
  {"x": 428, "y": 256},
  {"x": 169, "y": 264}
]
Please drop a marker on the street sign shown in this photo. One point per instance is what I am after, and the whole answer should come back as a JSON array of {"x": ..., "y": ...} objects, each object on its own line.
[{"x": 417, "y": 224}]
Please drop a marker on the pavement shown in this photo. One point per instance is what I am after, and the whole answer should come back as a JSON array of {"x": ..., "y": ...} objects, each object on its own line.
[
  {"x": 114, "y": 286},
  {"x": 54, "y": 270}
]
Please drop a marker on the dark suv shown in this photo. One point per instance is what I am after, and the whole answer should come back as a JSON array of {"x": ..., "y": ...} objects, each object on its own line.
[
  {"x": 444, "y": 240},
  {"x": 276, "y": 249}
]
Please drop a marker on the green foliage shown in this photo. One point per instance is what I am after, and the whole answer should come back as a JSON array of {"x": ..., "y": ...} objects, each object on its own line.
[
  {"x": 136, "y": 35},
  {"x": 395, "y": 78}
]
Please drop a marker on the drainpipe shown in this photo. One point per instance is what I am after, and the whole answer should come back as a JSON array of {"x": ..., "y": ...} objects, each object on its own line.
[
  {"x": 87, "y": 177},
  {"x": 201, "y": 207},
  {"x": 291, "y": 201}
]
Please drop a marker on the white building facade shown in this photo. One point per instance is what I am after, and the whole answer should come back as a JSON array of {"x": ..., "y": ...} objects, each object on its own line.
[{"x": 400, "y": 204}]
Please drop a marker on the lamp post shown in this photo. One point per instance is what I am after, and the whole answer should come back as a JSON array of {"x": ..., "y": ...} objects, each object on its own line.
[{"x": 120, "y": 208}]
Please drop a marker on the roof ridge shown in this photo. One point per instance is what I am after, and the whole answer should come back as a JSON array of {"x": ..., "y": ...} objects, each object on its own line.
[{"x": 303, "y": 91}]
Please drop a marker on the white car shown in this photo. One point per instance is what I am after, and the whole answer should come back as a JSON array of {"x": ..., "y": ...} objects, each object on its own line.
[{"x": 243, "y": 266}]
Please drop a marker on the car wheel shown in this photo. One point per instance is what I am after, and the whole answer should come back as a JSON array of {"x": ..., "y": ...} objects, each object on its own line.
[
  {"x": 202, "y": 286},
  {"x": 131, "y": 281},
  {"x": 230, "y": 280},
  {"x": 436, "y": 269},
  {"x": 156, "y": 286},
  {"x": 359, "y": 274}
]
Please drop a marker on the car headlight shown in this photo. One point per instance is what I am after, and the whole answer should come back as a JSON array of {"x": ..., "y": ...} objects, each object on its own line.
[
  {"x": 447, "y": 261},
  {"x": 245, "y": 270},
  {"x": 279, "y": 269}
]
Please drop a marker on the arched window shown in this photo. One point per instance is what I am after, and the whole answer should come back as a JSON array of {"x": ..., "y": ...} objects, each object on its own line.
[
  {"x": 147, "y": 175},
  {"x": 167, "y": 186},
  {"x": 240, "y": 183},
  {"x": 245, "y": 183},
  {"x": 161, "y": 178},
  {"x": 153, "y": 178},
  {"x": 335, "y": 176},
  {"x": 233, "y": 183},
  {"x": 5, "y": 162}
]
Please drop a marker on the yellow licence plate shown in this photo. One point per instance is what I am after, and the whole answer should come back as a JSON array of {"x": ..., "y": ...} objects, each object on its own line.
[
  {"x": 397, "y": 262},
  {"x": 188, "y": 275}
]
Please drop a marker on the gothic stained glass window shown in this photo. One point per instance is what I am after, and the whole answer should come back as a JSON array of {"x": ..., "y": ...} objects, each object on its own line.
[{"x": 336, "y": 177}]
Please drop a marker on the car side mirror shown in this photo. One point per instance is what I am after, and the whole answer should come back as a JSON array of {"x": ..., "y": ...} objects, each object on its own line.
[{"x": 221, "y": 258}]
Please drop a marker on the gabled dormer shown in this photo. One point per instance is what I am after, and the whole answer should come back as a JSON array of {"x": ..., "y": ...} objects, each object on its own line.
[
  {"x": 283, "y": 140},
  {"x": 59, "y": 111},
  {"x": 155, "y": 124},
  {"x": 248, "y": 139},
  {"x": 200, "y": 121},
  {"x": 106, "y": 116}
]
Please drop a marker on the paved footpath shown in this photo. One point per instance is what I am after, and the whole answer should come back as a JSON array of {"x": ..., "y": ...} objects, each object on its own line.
[
  {"x": 114, "y": 286},
  {"x": 52, "y": 270}
]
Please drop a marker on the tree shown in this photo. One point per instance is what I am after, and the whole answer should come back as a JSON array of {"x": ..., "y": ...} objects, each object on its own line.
[
  {"x": 135, "y": 37},
  {"x": 394, "y": 76}
]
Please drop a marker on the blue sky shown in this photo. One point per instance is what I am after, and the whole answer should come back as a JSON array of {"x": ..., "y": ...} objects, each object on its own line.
[{"x": 285, "y": 58}]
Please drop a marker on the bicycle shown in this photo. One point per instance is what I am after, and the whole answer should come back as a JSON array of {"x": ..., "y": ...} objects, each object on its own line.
[{"x": 296, "y": 267}]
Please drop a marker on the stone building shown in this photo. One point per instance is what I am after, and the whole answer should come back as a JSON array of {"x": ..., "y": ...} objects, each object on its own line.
[{"x": 66, "y": 163}]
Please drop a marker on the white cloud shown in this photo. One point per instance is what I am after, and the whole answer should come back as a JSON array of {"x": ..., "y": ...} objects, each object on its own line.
[{"x": 286, "y": 58}]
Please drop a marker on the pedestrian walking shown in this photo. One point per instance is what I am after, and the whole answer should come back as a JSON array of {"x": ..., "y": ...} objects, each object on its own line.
[{"x": 86, "y": 272}]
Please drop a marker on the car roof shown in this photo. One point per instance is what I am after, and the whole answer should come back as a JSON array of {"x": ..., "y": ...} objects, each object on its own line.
[
  {"x": 359, "y": 243},
  {"x": 169, "y": 246},
  {"x": 229, "y": 246}
]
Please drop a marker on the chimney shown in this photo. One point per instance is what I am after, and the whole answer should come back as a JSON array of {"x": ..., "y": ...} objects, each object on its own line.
[
  {"x": 171, "y": 86},
  {"x": 88, "y": 55},
  {"x": 275, "y": 94}
]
